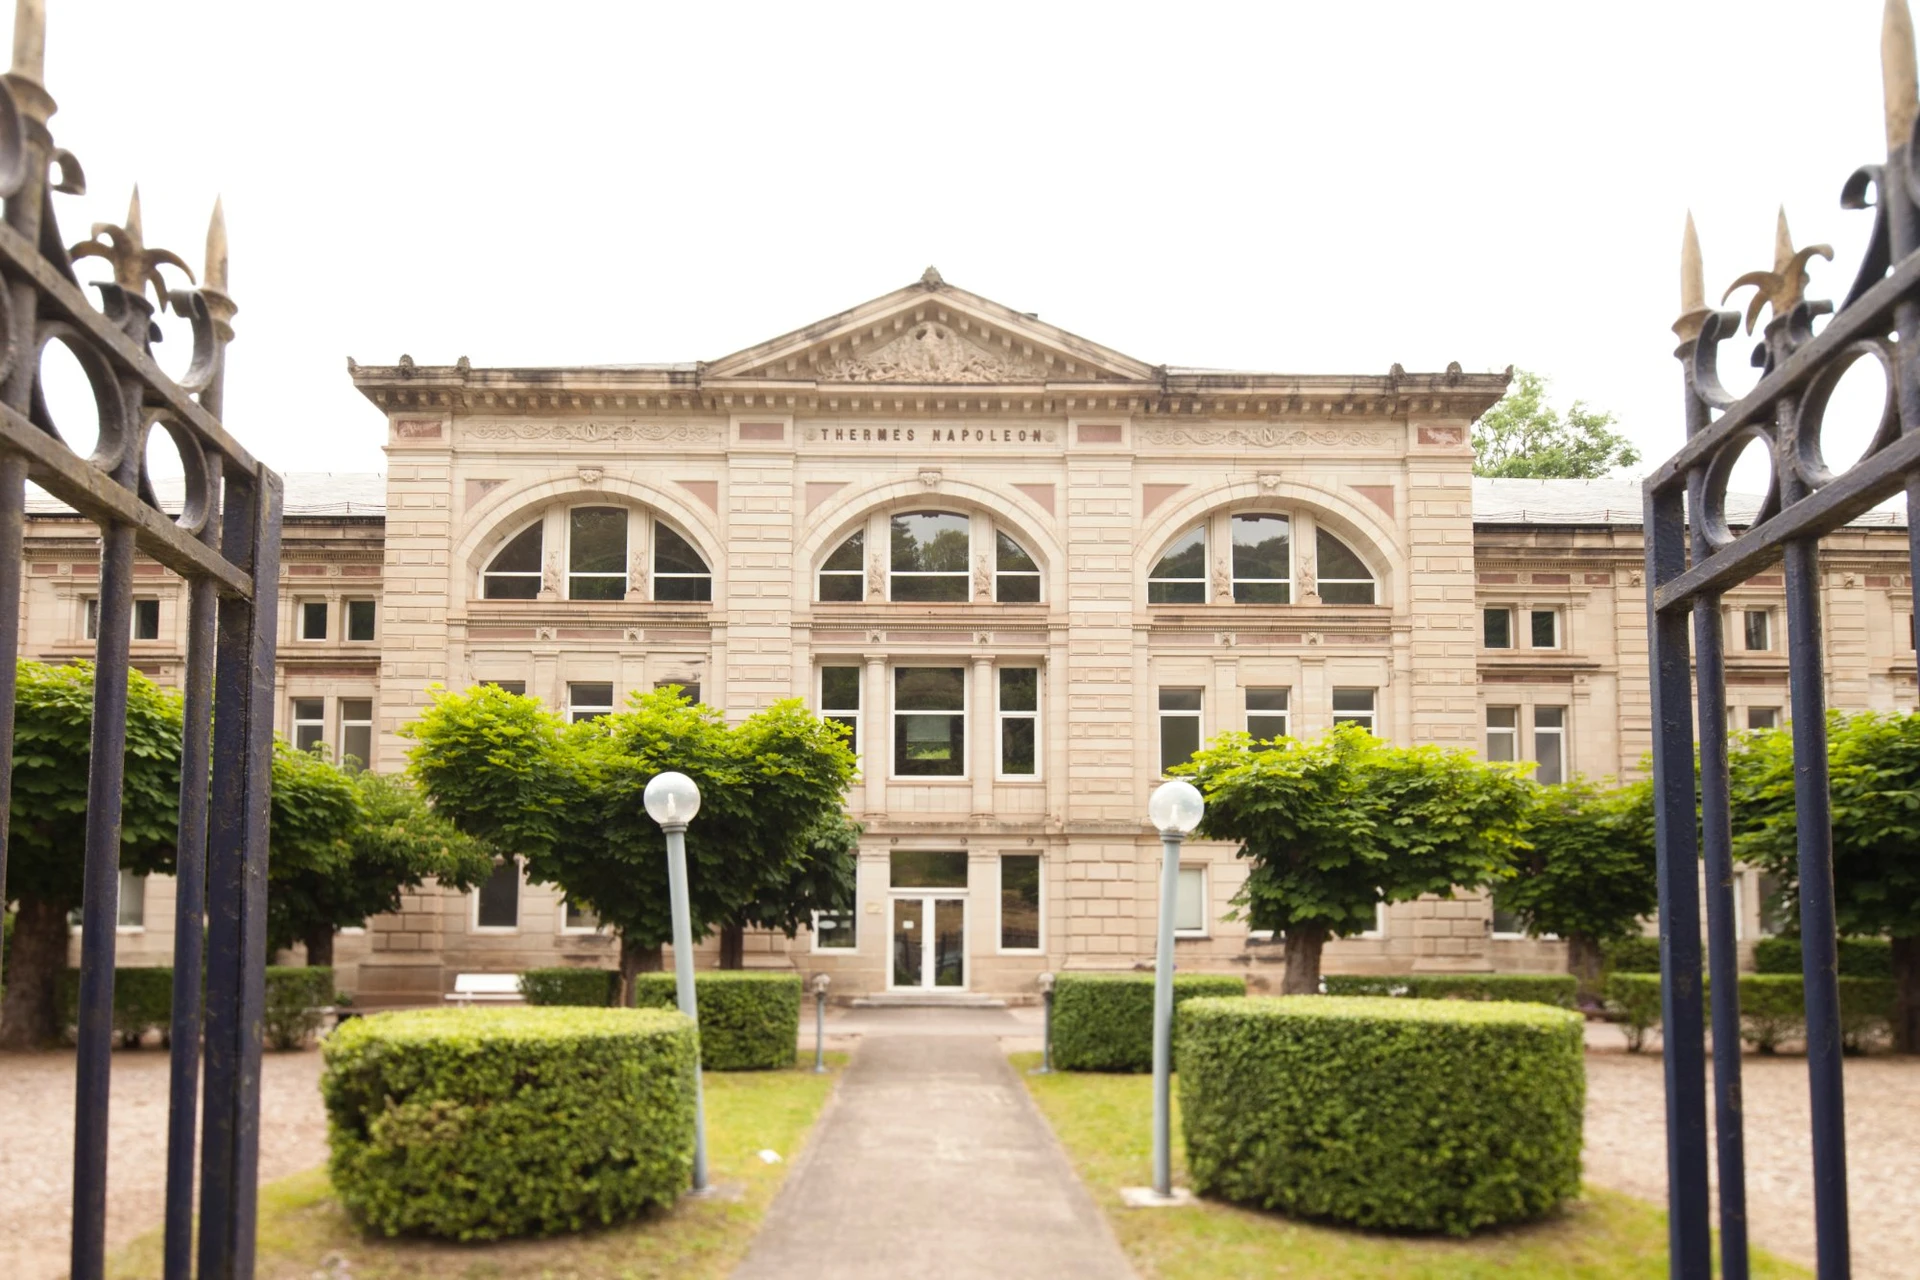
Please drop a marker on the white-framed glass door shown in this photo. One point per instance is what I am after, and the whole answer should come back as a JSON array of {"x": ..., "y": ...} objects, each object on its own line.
[{"x": 928, "y": 944}]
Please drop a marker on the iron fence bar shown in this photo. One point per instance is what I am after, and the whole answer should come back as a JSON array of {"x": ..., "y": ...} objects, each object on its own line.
[
  {"x": 1683, "y": 1057},
  {"x": 13, "y": 504}
]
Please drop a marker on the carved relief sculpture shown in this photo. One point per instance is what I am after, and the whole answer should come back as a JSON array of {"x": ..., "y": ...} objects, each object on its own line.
[
  {"x": 931, "y": 352},
  {"x": 596, "y": 432},
  {"x": 550, "y": 577},
  {"x": 982, "y": 578},
  {"x": 637, "y": 575},
  {"x": 1309, "y": 584},
  {"x": 1266, "y": 437},
  {"x": 1222, "y": 584},
  {"x": 876, "y": 577}
]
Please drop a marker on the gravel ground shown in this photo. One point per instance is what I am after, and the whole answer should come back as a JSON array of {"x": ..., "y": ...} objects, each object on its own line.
[
  {"x": 1626, "y": 1126},
  {"x": 36, "y": 1157}
]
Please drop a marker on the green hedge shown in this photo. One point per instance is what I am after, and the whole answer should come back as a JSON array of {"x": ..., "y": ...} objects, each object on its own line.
[
  {"x": 142, "y": 1001},
  {"x": 1859, "y": 957},
  {"x": 1533, "y": 988},
  {"x": 1634, "y": 999},
  {"x": 1633, "y": 955},
  {"x": 1104, "y": 1021},
  {"x": 1772, "y": 1008},
  {"x": 296, "y": 995},
  {"x": 1401, "y": 1115},
  {"x": 597, "y": 988},
  {"x": 748, "y": 1021},
  {"x": 476, "y": 1124}
]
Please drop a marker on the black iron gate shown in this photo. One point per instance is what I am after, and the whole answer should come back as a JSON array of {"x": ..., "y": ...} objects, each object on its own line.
[
  {"x": 1689, "y": 564},
  {"x": 226, "y": 543}
]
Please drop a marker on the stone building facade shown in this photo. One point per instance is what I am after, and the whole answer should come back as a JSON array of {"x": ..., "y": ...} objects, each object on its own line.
[{"x": 1024, "y": 568}]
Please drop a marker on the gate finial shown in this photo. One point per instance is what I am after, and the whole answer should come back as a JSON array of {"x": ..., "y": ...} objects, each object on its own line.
[
  {"x": 30, "y": 40},
  {"x": 1693, "y": 286},
  {"x": 1897, "y": 74}
]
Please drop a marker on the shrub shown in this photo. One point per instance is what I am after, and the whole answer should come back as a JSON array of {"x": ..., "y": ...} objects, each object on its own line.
[
  {"x": 1104, "y": 1021},
  {"x": 1404, "y": 1115},
  {"x": 1633, "y": 955},
  {"x": 1859, "y": 957},
  {"x": 1535, "y": 988},
  {"x": 1772, "y": 1008},
  {"x": 142, "y": 999},
  {"x": 475, "y": 1124},
  {"x": 748, "y": 1021},
  {"x": 296, "y": 996},
  {"x": 570, "y": 986},
  {"x": 1634, "y": 998}
]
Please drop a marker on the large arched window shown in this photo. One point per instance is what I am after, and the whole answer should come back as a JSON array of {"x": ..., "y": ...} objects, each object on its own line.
[
  {"x": 597, "y": 545},
  {"x": 1262, "y": 560},
  {"x": 931, "y": 560}
]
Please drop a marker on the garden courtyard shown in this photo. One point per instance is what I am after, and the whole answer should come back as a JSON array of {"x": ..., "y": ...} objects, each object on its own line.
[{"x": 953, "y": 1151}]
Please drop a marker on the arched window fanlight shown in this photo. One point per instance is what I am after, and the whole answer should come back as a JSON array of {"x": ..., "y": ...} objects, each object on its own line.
[
  {"x": 1181, "y": 575},
  {"x": 1258, "y": 560},
  {"x": 1344, "y": 576},
  {"x": 1016, "y": 577},
  {"x": 678, "y": 571},
  {"x": 514, "y": 572},
  {"x": 595, "y": 542},
  {"x": 843, "y": 577}
]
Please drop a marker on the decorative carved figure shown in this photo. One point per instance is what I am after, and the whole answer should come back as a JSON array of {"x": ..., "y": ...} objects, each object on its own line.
[
  {"x": 1269, "y": 481},
  {"x": 546, "y": 633},
  {"x": 550, "y": 577},
  {"x": 591, "y": 475},
  {"x": 930, "y": 478},
  {"x": 876, "y": 577},
  {"x": 637, "y": 574},
  {"x": 1222, "y": 584},
  {"x": 982, "y": 577},
  {"x": 1309, "y": 583},
  {"x": 932, "y": 352}
]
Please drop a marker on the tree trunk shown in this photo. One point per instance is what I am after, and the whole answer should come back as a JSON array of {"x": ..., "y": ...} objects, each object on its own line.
[
  {"x": 319, "y": 942},
  {"x": 634, "y": 960},
  {"x": 1906, "y": 1002},
  {"x": 733, "y": 946},
  {"x": 1584, "y": 962},
  {"x": 28, "y": 1015},
  {"x": 1303, "y": 960}
]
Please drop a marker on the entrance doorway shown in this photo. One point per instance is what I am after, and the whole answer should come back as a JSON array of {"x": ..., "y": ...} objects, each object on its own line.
[{"x": 929, "y": 944}]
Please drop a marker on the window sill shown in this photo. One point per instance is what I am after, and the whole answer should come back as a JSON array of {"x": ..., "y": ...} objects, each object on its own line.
[
  {"x": 493, "y": 928},
  {"x": 922, "y": 780},
  {"x": 1180, "y": 936}
]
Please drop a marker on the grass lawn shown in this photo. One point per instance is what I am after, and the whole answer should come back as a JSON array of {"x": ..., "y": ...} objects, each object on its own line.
[
  {"x": 1104, "y": 1121},
  {"x": 304, "y": 1234}
]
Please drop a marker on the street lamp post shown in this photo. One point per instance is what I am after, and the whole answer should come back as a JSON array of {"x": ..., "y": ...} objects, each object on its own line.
[
  {"x": 672, "y": 799},
  {"x": 1175, "y": 810}
]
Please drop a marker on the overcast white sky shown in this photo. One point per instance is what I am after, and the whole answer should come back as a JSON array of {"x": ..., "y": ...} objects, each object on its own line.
[{"x": 1299, "y": 188}]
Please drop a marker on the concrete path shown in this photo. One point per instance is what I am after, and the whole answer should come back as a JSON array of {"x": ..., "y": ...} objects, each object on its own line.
[{"x": 932, "y": 1161}]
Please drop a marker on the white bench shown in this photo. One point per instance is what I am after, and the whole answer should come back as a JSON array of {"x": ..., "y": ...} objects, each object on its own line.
[{"x": 486, "y": 988}]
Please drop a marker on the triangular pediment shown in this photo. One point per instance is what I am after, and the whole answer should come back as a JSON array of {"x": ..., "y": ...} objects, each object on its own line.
[{"x": 929, "y": 334}]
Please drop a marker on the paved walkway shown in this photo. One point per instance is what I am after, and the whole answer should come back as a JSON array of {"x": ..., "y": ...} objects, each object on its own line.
[{"x": 932, "y": 1161}]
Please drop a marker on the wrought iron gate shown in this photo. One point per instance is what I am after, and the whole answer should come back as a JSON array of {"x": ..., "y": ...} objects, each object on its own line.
[
  {"x": 226, "y": 544},
  {"x": 1688, "y": 566}
]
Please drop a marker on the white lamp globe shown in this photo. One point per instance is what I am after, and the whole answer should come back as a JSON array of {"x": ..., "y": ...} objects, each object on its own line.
[
  {"x": 672, "y": 799},
  {"x": 1175, "y": 808}
]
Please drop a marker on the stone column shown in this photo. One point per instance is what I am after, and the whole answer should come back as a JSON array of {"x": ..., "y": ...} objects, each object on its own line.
[
  {"x": 983, "y": 735},
  {"x": 879, "y": 735}
]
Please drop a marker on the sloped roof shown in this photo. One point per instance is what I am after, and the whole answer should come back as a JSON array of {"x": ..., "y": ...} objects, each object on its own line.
[
  {"x": 309, "y": 493},
  {"x": 1606, "y": 502}
]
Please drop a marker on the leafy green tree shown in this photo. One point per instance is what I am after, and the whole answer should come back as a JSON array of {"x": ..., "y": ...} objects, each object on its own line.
[
  {"x": 1336, "y": 826},
  {"x": 345, "y": 846},
  {"x": 1873, "y": 761},
  {"x": 1525, "y": 437},
  {"x": 46, "y": 856},
  {"x": 771, "y": 843},
  {"x": 1586, "y": 871}
]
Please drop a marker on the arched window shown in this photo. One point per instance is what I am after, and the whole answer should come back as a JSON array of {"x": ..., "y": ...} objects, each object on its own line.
[
  {"x": 932, "y": 551},
  {"x": 931, "y": 559},
  {"x": 514, "y": 572},
  {"x": 1262, "y": 559},
  {"x": 1181, "y": 575},
  {"x": 1016, "y": 578},
  {"x": 1344, "y": 577},
  {"x": 597, "y": 553},
  {"x": 678, "y": 571},
  {"x": 844, "y": 575}
]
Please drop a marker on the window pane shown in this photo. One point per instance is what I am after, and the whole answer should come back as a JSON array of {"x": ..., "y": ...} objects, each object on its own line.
[
  {"x": 517, "y": 687},
  {"x": 1266, "y": 728},
  {"x": 926, "y": 869},
  {"x": 499, "y": 906},
  {"x": 674, "y": 554},
  {"x": 1261, "y": 547},
  {"x": 133, "y": 900},
  {"x": 1505, "y": 921},
  {"x": 1763, "y": 717},
  {"x": 1498, "y": 627},
  {"x": 1011, "y": 556},
  {"x": 852, "y": 725},
  {"x": 146, "y": 619},
  {"x": 932, "y": 588},
  {"x": 835, "y": 930},
  {"x": 308, "y": 736},
  {"x": 1502, "y": 717},
  {"x": 1346, "y": 592},
  {"x": 1176, "y": 592},
  {"x": 525, "y": 586},
  {"x": 1020, "y": 900},
  {"x": 1185, "y": 559},
  {"x": 1353, "y": 700},
  {"x": 359, "y": 619},
  {"x": 930, "y": 542},
  {"x": 1190, "y": 902},
  {"x": 1267, "y": 714},
  {"x": 1017, "y": 588},
  {"x": 931, "y": 746},
  {"x": 581, "y": 918},
  {"x": 599, "y": 540},
  {"x": 1266, "y": 699},
  {"x": 92, "y": 623},
  {"x": 1337, "y": 559},
  {"x": 840, "y": 688},
  {"x": 683, "y": 589},
  {"x": 356, "y": 743},
  {"x": 839, "y": 588},
  {"x": 1179, "y": 739},
  {"x": 313, "y": 620},
  {"x": 521, "y": 554},
  {"x": 1549, "y": 717},
  {"x": 1759, "y": 637},
  {"x": 849, "y": 555},
  {"x": 589, "y": 699},
  {"x": 1180, "y": 699},
  {"x": 689, "y": 691},
  {"x": 929, "y": 688},
  {"x": 1017, "y": 735},
  {"x": 1546, "y": 629},
  {"x": 1019, "y": 689}
]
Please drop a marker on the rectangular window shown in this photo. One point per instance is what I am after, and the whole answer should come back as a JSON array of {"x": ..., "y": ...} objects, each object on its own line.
[
  {"x": 589, "y": 700},
  {"x": 516, "y": 687},
  {"x": 1776, "y": 915},
  {"x": 146, "y": 619},
  {"x": 926, "y": 869},
  {"x": 1503, "y": 733},
  {"x": 1179, "y": 726},
  {"x": 1763, "y": 717},
  {"x": 840, "y": 700},
  {"x": 1379, "y": 929},
  {"x": 1019, "y": 721},
  {"x": 1190, "y": 903},
  {"x": 836, "y": 930},
  {"x": 497, "y": 901},
  {"x": 1507, "y": 924},
  {"x": 356, "y": 731},
  {"x": 1545, "y": 625},
  {"x": 313, "y": 619},
  {"x": 1353, "y": 706},
  {"x": 132, "y": 912},
  {"x": 309, "y": 723},
  {"x": 360, "y": 619},
  {"x": 1020, "y": 902},
  {"x": 597, "y": 553},
  {"x": 930, "y": 722},
  {"x": 578, "y": 919},
  {"x": 1496, "y": 628},
  {"x": 90, "y": 617},
  {"x": 1262, "y": 559},
  {"x": 1759, "y": 630},
  {"x": 1267, "y": 714},
  {"x": 1550, "y": 744},
  {"x": 691, "y": 692}
]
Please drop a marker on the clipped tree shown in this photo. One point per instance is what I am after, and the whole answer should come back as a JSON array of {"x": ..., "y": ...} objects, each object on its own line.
[
  {"x": 770, "y": 846},
  {"x": 1525, "y": 437},
  {"x": 346, "y": 844},
  {"x": 1873, "y": 762},
  {"x": 1339, "y": 825},
  {"x": 46, "y": 854},
  {"x": 1586, "y": 871}
]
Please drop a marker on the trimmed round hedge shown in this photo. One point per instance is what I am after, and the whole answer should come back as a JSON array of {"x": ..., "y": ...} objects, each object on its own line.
[
  {"x": 478, "y": 1124},
  {"x": 1537, "y": 988},
  {"x": 1400, "y": 1115},
  {"x": 748, "y": 1021},
  {"x": 571, "y": 985},
  {"x": 1104, "y": 1021}
]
